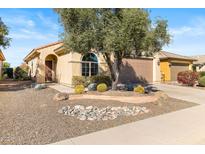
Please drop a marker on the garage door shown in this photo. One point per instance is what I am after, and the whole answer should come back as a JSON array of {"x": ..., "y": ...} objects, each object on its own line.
[{"x": 176, "y": 68}]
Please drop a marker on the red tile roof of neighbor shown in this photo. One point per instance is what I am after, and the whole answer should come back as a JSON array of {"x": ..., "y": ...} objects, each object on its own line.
[
  {"x": 166, "y": 55},
  {"x": 2, "y": 56},
  {"x": 41, "y": 47}
]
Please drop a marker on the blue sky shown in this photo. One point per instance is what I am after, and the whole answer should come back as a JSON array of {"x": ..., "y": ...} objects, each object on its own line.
[{"x": 30, "y": 28}]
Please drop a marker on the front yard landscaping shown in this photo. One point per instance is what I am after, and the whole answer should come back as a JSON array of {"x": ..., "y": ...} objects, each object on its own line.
[{"x": 29, "y": 116}]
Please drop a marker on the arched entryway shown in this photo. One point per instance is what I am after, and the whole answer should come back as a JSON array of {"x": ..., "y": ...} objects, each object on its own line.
[{"x": 50, "y": 68}]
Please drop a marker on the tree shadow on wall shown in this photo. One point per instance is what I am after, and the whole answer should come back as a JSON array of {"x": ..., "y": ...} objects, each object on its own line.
[{"x": 129, "y": 75}]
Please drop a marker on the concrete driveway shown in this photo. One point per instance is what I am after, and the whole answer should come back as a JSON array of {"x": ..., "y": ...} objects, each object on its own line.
[
  {"x": 183, "y": 93},
  {"x": 181, "y": 127}
]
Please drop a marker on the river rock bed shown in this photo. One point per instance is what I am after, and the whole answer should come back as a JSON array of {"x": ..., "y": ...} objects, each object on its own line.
[{"x": 91, "y": 113}]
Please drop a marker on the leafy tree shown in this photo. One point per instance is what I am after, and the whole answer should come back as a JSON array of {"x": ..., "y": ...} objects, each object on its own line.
[
  {"x": 116, "y": 33},
  {"x": 4, "y": 32},
  {"x": 6, "y": 64}
]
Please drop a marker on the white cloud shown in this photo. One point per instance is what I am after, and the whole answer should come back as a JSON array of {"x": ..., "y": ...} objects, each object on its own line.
[
  {"x": 196, "y": 28},
  {"x": 47, "y": 21},
  {"x": 32, "y": 35},
  {"x": 19, "y": 20}
]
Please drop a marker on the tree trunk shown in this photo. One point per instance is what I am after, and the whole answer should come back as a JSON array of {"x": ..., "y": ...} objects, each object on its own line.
[{"x": 114, "y": 69}]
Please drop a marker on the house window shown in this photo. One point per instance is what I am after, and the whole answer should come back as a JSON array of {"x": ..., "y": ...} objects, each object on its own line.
[{"x": 89, "y": 65}]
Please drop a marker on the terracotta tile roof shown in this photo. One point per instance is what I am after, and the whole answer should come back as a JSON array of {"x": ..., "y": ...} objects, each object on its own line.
[
  {"x": 200, "y": 59},
  {"x": 48, "y": 45},
  {"x": 166, "y": 55}
]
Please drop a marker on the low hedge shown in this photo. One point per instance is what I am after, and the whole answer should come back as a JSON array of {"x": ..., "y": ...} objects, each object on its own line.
[
  {"x": 187, "y": 77},
  {"x": 201, "y": 74},
  {"x": 85, "y": 81},
  {"x": 202, "y": 81},
  {"x": 101, "y": 79}
]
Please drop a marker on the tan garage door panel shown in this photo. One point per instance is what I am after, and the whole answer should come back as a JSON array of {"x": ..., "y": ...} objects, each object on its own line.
[
  {"x": 176, "y": 68},
  {"x": 134, "y": 70}
]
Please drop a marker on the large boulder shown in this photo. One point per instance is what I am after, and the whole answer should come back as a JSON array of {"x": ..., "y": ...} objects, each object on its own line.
[{"x": 61, "y": 97}]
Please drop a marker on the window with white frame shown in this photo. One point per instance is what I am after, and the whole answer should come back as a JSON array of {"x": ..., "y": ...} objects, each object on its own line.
[{"x": 89, "y": 65}]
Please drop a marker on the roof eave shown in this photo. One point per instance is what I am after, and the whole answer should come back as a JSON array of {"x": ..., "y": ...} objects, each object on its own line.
[
  {"x": 32, "y": 54},
  {"x": 163, "y": 58}
]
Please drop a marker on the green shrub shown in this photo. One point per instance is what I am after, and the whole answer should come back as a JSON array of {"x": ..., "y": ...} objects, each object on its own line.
[
  {"x": 8, "y": 72},
  {"x": 78, "y": 80},
  {"x": 201, "y": 74},
  {"x": 101, "y": 79},
  {"x": 21, "y": 74},
  {"x": 139, "y": 89},
  {"x": 79, "y": 89},
  {"x": 202, "y": 81},
  {"x": 102, "y": 87},
  {"x": 187, "y": 77}
]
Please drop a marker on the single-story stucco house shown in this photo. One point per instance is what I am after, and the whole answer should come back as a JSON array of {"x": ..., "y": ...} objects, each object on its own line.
[
  {"x": 171, "y": 64},
  {"x": 2, "y": 58},
  {"x": 51, "y": 63},
  {"x": 200, "y": 63}
]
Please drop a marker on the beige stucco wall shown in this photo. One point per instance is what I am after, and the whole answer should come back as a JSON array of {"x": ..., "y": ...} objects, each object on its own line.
[
  {"x": 76, "y": 63},
  {"x": 156, "y": 69},
  {"x": 1, "y": 65},
  {"x": 33, "y": 70},
  {"x": 66, "y": 65},
  {"x": 64, "y": 69}
]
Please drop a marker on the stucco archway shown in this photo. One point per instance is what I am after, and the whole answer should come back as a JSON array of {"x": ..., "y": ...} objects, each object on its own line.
[{"x": 50, "y": 68}]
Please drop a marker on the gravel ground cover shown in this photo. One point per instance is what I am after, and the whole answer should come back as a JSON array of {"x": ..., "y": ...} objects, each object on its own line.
[{"x": 29, "y": 116}]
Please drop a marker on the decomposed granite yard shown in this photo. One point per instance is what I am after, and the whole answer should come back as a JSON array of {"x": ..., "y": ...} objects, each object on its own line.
[{"x": 29, "y": 116}]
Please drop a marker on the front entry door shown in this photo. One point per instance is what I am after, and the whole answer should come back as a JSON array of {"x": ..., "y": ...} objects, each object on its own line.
[{"x": 48, "y": 71}]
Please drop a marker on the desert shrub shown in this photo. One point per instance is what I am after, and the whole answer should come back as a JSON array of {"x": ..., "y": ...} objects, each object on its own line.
[
  {"x": 187, "y": 77},
  {"x": 102, "y": 87},
  {"x": 202, "y": 81},
  {"x": 81, "y": 80},
  {"x": 101, "y": 79},
  {"x": 79, "y": 89},
  {"x": 21, "y": 74},
  {"x": 139, "y": 89},
  {"x": 201, "y": 74},
  {"x": 8, "y": 72}
]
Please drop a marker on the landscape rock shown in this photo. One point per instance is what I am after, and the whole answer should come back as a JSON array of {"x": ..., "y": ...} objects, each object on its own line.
[
  {"x": 61, "y": 97},
  {"x": 92, "y": 113},
  {"x": 92, "y": 87},
  {"x": 40, "y": 86},
  {"x": 121, "y": 86}
]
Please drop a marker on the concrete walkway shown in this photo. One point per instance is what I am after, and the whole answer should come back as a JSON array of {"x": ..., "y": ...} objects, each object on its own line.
[
  {"x": 181, "y": 127},
  {"x": 62, "y": 88}
]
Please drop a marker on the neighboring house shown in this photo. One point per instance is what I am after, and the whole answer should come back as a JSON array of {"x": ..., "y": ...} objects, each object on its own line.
[
  {"x": 51, "y": 63},
  {"x": 171, "y": 64},
  {"x": 200, "y": 63},
  {"x": 2, "y": 58}
]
